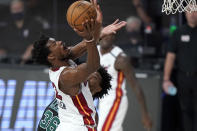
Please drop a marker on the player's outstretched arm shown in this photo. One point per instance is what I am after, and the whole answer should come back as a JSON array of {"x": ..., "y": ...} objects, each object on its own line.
[
  {"x": 122, "y": 63},
  {"x": 79, "y": 49},
  {"x": 112, "y": 28}
]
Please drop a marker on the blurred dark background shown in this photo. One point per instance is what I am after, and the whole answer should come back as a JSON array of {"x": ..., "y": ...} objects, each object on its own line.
[
  {"x": 146, "y": 45},
  {"x": 49, "y": 17}
]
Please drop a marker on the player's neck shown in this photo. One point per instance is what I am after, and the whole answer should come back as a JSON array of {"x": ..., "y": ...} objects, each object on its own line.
[{"x": 105, "y": 51}]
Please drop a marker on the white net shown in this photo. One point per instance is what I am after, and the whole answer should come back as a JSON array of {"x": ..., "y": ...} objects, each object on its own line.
[{"x": 172, "y": 6}]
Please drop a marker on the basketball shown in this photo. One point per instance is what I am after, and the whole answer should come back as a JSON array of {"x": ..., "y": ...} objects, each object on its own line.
[{"x": 78, "y": 12}]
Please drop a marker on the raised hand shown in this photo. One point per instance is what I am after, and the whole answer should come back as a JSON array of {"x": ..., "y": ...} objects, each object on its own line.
[
  {"x": 89, "y": 28},
  {"x": 99, "y": 18},
  {"x": 112, "y": 28}
]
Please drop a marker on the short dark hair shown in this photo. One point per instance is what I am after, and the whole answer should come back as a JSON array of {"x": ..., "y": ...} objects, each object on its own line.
[
  {"x": 105, "y": 83},
  {"x": 40, "y": 51}
]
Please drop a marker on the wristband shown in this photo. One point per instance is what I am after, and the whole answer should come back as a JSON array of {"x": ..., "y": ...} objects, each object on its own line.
[{"x": 89, "y": 41}]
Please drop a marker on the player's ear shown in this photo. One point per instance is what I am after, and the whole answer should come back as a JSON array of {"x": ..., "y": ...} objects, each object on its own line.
[{"x": 51, "y": 57}]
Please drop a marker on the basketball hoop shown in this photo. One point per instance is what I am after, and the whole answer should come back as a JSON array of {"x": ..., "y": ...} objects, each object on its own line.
[{"x": 172, "y": 6}]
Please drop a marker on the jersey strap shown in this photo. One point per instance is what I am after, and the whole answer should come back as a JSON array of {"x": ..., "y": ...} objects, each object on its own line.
[{"x": 82, "y": 106}]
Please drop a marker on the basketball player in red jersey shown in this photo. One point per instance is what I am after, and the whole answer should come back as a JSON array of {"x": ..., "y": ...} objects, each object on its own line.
[{"x": 76, "y": 109}]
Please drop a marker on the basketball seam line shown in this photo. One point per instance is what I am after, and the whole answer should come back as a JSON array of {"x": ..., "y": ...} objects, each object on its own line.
[
  {"x": 81, "y": 14},
  {"x": 73, "y": 11}
]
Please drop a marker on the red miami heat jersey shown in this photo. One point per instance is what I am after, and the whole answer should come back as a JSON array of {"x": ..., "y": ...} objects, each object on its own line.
[{"x": 74, "y": 110}]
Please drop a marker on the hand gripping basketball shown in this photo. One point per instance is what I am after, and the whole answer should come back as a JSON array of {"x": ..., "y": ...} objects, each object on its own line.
[{"x": 79, "y": 12}]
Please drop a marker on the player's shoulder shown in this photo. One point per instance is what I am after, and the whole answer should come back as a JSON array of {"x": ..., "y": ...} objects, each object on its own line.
[
  {"x": 182, "y": 29},
  {"x": 121, "y": 55},
  {"x": 54, "y": 73},
  {"x": 117, "y": 48},
  {"x": 117, "y": 51},
  {"x": 63, "y": 68}
]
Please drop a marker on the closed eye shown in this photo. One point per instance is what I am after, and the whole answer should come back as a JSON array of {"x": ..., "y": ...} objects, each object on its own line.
[{"x": 53, "y": 43}]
